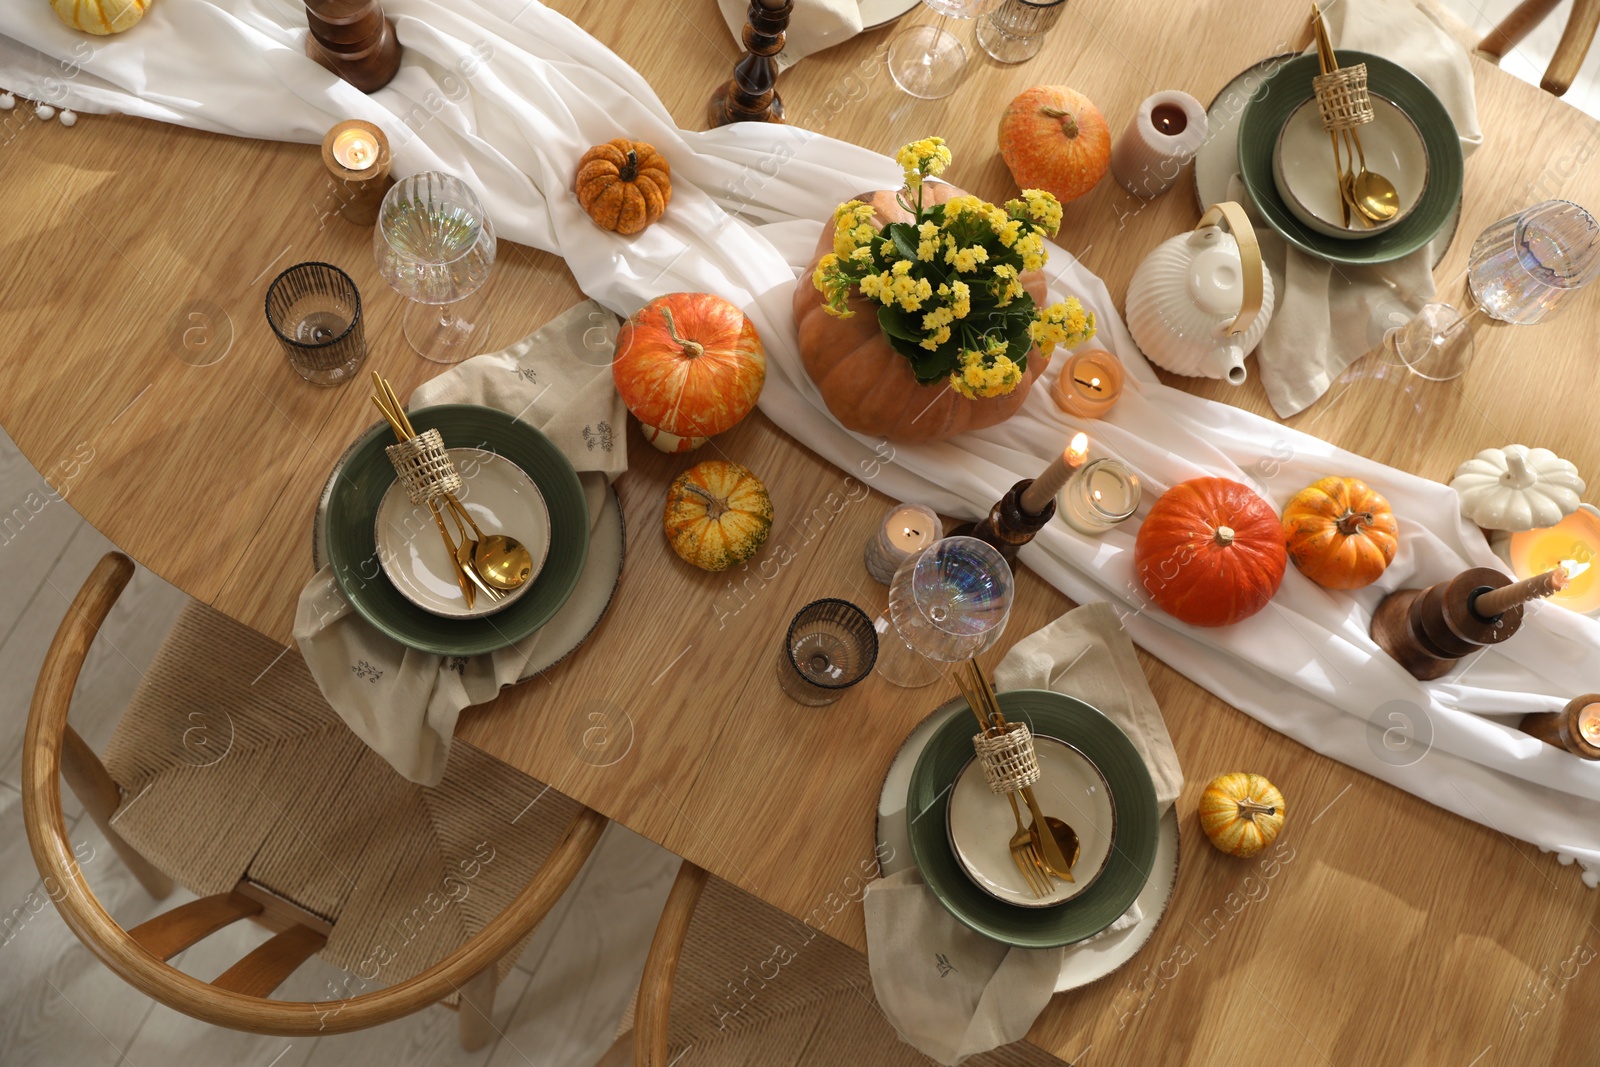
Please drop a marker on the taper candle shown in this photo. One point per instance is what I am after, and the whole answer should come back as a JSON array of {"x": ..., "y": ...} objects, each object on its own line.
[
  {"x": 1167, "y": 131},
  {"x": 1498, "y": 601},
  {"x": 1044, "y": 488}
]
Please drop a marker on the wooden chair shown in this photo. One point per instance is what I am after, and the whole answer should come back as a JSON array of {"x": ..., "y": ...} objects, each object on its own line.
[
  {"x": 731, "y": 981},
  {"x": 1570, "y": 50},
  {"x": 290, "y": 775}
]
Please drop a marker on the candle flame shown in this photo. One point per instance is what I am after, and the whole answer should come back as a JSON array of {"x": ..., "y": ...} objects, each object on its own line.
[
  {"x": 1572, "y": 568},
  {"x": 1079, "y": 446}
]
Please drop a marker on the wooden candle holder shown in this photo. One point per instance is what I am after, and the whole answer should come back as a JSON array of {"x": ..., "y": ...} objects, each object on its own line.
[
  {"x": 751, "y": 95},
  {"x": 1563, "y": 728},
  {"x": 354, "y": 40},
  {"x": 1009, "y": 525},
  {"x": 360, "y": 192},
  {"x": 1427, "y": 630}
]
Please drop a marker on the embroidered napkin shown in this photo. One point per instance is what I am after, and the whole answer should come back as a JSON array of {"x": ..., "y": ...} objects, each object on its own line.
[
  {"x": 947, "y": 989},
  {"x": 403, "y": 702},
  {"x": 1329, "y": 315},
  {"x": 813, "y": 26}
]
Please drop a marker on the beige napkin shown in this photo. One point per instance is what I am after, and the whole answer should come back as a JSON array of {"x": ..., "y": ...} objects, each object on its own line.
[
  {"x": 1328, "y": 315},
  {"x": 813, "y": 26},
  {"x": 403, "y": 702},
  {"x": 947, "y": 989}
]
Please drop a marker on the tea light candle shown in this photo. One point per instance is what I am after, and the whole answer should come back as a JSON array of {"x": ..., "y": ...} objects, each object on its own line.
[
  {"x": 1089, "y": 384},
  {"x": 1570, "y": 543},
  {"x": 1168, "y": 130},
  {"x": 356, "y": 154},
  {"x": 906, "y": 530},
  {"x": 1100, "y": 496},
  {"x": 1037, "y": 496}
]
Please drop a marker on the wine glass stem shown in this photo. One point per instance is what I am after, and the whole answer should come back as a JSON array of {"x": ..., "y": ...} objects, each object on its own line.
[
  {"x": 933, "y": 43},
  {"x": 446, "y": 319}
]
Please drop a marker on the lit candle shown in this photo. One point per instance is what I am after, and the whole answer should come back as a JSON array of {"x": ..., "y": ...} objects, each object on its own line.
[
  {"x": 1100, "y": 496},
  {"x": 356, "y": 154},
  {"x": 1575, "y": 727},
  {"x": 906, "y": 530},
  {"x": 1089, "y": 384},
  {"x": 1167, "y": 131},
  {"x": 1043, "y": 489},
  {"x": 1589, "y": 723},
  {"x": 1574, "y": 540}
]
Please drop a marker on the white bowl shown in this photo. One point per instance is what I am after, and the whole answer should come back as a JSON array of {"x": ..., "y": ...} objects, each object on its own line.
[
  {"x": 501, "y": 499},
  {"x": 1303, "y": 167},
  {"x": 1070, "y": 787}
]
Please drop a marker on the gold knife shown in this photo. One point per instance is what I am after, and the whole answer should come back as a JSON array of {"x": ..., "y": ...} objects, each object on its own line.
[{"x": 1053, "y": 857}]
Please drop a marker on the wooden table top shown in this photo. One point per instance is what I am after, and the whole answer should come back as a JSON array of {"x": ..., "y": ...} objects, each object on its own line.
[{"x": 1391, "y": 933}]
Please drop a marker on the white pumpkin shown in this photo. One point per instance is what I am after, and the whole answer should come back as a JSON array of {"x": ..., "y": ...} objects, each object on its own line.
[
  {"x": 100, "y": 17},
  {"x": 1517, "y": 488}
]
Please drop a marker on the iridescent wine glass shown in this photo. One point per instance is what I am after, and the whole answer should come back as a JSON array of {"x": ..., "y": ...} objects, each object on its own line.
[
  {"x": 434, "y": 245},
  {"x": 946, "y": 604}
]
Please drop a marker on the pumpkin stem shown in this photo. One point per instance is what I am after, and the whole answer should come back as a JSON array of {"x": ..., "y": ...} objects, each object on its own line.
[
  {"x": 1517, "y": 474},
  {"x": 1351, "y": 522},
  {"x": 1069, "y": 123},
  {"x": 630, "y": 170},
  {"x": 1224, "y": 536},
  {"x": 692, "y": 349},
  {"x": 715, "y": 507},
  {"x": 1249, "y": 809}
]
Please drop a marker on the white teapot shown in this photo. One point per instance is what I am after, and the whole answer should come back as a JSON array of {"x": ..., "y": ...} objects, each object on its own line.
[{"x": 1200, "y": 302}]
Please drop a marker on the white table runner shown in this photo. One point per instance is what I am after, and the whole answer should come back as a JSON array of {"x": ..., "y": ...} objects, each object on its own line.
[{"x": 508, "y": 93}]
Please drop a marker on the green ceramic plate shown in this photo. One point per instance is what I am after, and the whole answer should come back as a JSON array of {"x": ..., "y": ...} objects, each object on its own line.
[
  {"x": 1133, "y": 851},
  {"x": 1270, "y": 108},
  {"x": 353, "y": 506}
]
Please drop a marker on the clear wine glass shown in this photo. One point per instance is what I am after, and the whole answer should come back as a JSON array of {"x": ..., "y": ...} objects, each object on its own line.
[
  {"x": 928, "y": 61},
  {"x": 947, "y": 604},
  {"x": 434, "y": 245}
]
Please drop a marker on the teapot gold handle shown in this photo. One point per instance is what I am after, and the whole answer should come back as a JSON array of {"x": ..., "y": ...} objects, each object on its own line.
[{"x": 1249, "y": 260}]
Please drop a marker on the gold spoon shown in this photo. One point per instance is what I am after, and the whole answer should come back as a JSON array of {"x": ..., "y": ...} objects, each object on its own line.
[
  {"x": 504, "y": 562},
  {"x": 1373, "y": 194},
  {"x": 1067, "y": 840}
]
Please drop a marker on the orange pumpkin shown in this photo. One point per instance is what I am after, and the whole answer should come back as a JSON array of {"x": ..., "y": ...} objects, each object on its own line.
[
  {"x": 1241, "y": 813},
  {"x": 688, "y": 365},
  {"x": 718, "y": 515},
  {"x": 1340, "y": 533},
  {"x": 869, "y": 386},
  {"x": 624, "y": 185},
  {"x": 1054, "y": 139},
  {"x": 1210, "y": 553}
]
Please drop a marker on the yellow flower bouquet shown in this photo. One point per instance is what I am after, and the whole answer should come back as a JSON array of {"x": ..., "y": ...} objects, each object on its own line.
[{"x": 948, "y": 283}]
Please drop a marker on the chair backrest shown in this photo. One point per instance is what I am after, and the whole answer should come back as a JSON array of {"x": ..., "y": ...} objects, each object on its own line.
[{"x": 237, "y": 999}]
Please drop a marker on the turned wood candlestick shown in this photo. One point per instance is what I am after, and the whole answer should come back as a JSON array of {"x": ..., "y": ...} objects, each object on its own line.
[
  {"x": 353, "y": 39},
  {"x": 1427, "y": 630},
  {"x": 751, "y": 95},
  {"x": 1575, "y": 727},
  {"x": 1009, "y": 525}
]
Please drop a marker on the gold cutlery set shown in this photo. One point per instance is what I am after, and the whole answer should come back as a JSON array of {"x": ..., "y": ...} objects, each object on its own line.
[
  {"x": 1345, "y": 105},
  {"x": 1039, "y": 849},
  {"x": 493, "y": 565}
]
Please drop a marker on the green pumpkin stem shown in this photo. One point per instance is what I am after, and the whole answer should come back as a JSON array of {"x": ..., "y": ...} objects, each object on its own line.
[
  {"x": 1069, "y": 124},
  {"x": 630, "y": 170}
]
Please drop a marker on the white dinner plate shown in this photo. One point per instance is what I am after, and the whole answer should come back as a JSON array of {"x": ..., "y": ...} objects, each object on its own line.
[
  {"x": 875, "y": 13},
  {"x": 501, "y": 499},
  {"x": 1303, "y": 166},
  {"x": 981, "y": 824}
]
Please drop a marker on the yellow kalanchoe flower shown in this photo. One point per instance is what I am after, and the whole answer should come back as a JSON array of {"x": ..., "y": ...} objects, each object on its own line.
[
  {"x": 1064, "y": 323},
  {"x": 921, "y": 158},
  {"x": 1043, "y": 208}
]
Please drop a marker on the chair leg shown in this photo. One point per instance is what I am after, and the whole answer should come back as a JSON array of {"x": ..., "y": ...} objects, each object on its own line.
[
  {"x": 1514, "y": 27},
  {"x": 477, "y": 1008},
  {"x": 90, "y": 782},
  {"x": 1573, "y": 47}
]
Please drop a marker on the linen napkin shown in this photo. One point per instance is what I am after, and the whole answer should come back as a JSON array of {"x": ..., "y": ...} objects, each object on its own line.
[
  {"x": 1329, "y": 315},
  {"x": 813, "y": 26},
  {"x": 947, "y": 989},
  {"x": 403, "y": 702}
]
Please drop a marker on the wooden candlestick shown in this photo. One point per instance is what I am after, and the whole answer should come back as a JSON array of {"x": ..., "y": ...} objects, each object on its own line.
[
  {"x": 1427, "y": 630},
  {"x": 353, "y": 39},
  {"x": 360, "y": 190},
  {"x": 1009, "y": 525},
  {"x": 1575, "y": 727},
  {"x": 751, "y": 95}
]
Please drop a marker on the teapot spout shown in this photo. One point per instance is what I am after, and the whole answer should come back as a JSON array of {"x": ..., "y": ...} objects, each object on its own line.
[{"x": 1226, "y": 362}]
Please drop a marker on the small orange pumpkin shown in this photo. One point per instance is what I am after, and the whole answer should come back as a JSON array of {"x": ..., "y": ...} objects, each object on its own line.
[
  {"x": 1210, "y": 553},
  {"x": 688, "y": 365},
  {"x": 624, "y": 185},
  {"x": 718, "y": 515},
  {"x": 1241, "y": 813},
  {"x": 1054, "y": 139},
  {"x": 1340, "y": 533}
]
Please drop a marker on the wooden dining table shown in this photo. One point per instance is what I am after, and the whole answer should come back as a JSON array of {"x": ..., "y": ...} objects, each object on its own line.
[{"x": 142, "y": 380}]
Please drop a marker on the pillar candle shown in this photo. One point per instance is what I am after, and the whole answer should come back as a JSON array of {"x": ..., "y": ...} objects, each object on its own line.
[
  {"x": 906, "y": 530},
  {"x": 1168, "y": 130}
]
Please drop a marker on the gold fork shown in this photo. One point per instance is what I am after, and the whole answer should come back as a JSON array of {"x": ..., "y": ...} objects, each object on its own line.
[{"x": 1023, "y": 853}]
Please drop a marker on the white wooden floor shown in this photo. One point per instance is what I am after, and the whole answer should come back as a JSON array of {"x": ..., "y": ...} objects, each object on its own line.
[{"x": 60, "y": 1008}]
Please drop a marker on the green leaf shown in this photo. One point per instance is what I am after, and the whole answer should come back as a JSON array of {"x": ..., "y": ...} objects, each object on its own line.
[
  {"x": 897, "y": 326},
  {"x": 904, "y": 236}
]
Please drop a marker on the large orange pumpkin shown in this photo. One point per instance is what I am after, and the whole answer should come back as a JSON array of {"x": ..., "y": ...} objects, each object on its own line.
[
  {"x": 1210, "y": 553},
  {"x": 688, "y": 365},
  {"x": 1340, "y": 533},
  {"x": 1054, "y": 139},
  {"x": 869, "y": 386}
]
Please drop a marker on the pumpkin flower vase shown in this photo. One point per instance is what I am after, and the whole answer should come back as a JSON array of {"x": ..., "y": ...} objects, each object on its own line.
[{"x": 926, "y": 313}]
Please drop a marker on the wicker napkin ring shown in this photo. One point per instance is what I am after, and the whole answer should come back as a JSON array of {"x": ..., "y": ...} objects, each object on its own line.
[
  {"x": 1008, "y": 759},
  {"x": 1342, "y": 98},
  {"x": 424, "y": 467}
]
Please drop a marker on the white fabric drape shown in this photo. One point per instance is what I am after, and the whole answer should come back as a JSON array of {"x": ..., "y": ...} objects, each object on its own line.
[{"x": 507, "y": 93}]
